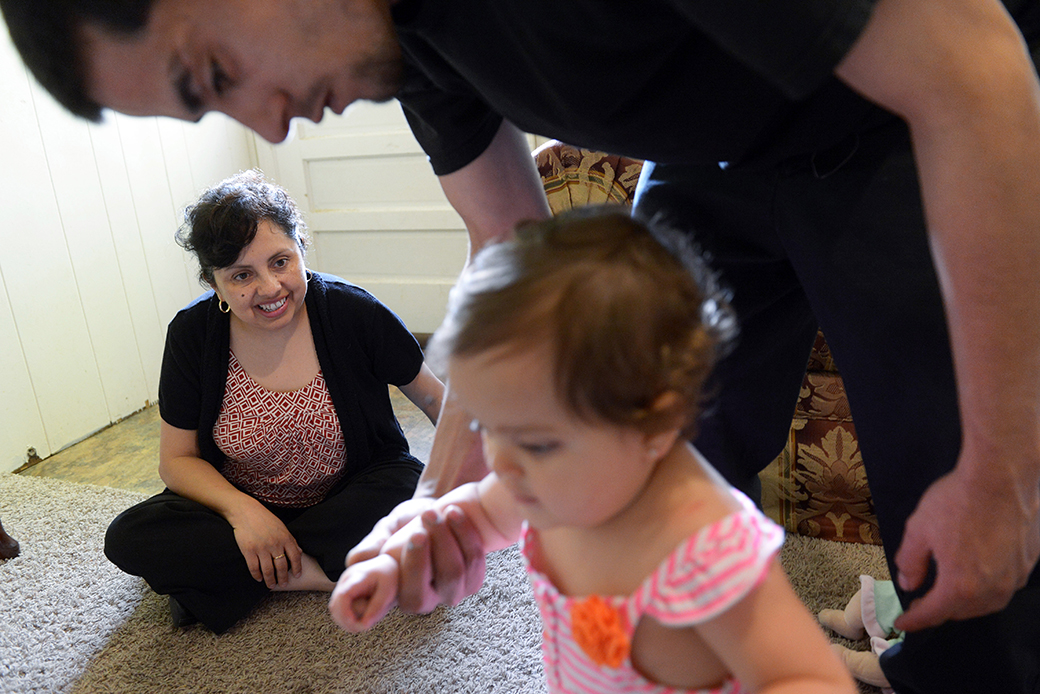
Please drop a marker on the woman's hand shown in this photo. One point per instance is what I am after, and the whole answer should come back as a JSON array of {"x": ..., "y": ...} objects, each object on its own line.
[{"x": 268, "y": 547}]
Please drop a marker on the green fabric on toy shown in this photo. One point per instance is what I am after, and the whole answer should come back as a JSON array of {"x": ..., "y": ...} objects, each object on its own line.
[{"x": 872, "y": 611}]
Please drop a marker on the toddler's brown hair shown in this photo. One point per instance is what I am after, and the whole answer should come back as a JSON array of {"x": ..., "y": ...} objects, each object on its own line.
[{"x": 631, "y": 310}]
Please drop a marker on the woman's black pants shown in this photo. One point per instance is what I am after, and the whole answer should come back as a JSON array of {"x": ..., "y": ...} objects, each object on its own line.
[{"x": 188, "y": 551}]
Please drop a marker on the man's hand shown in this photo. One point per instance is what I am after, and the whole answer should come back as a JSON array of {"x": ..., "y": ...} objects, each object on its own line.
[
  {"x": 443, "y": 563},
  {"x": 970, "y": 101},
  {"x": 383, "y": 530},
  {"x": 984, "y": 537},
  {"x": 442, "y": 559}
]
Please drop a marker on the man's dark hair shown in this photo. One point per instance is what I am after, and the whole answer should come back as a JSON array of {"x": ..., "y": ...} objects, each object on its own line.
[{"x": 46, "y": 34}]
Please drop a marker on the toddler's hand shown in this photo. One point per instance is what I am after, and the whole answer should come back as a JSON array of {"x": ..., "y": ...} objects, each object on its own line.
[{"x": 364, "y": 593}]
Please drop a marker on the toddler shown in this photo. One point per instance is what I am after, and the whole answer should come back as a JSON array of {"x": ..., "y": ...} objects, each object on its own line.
[{"x": 580, "y": 348}]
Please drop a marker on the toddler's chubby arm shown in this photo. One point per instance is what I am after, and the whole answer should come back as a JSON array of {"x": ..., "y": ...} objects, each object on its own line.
[
  {"x": 366, "y": 591},
  {"x": 754, "y": 637}
]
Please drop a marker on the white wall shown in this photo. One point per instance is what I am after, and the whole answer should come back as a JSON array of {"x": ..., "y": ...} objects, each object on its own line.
[{"x": 89, "y": 272}]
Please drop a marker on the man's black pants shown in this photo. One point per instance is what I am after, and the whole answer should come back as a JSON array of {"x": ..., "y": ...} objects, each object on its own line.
[{"x": 836, "y": 239}]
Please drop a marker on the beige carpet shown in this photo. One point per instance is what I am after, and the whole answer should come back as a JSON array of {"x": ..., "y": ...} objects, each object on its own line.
[{"x": 71, "y": 622}]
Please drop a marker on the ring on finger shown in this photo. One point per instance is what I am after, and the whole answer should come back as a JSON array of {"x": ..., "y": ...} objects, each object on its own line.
[{"x": 280, "y": 556}]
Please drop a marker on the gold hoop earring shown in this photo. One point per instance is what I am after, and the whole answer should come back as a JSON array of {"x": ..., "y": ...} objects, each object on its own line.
[
  {"x": 308, "y": 274},
  {"x": 224, "y": 306}
]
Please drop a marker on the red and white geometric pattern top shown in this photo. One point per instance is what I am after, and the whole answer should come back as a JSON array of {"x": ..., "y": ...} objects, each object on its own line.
[{"x": 283, "y": 448}]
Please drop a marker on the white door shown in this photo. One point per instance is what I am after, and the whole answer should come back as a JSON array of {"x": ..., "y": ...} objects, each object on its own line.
[{"x": 376, "y": 213}]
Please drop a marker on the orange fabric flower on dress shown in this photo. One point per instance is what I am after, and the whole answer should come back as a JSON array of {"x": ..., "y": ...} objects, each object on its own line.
[{"x": 597, "y": 628}]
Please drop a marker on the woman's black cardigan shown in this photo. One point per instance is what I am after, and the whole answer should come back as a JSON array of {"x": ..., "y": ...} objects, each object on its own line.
[{"x": 361, "y": 346}]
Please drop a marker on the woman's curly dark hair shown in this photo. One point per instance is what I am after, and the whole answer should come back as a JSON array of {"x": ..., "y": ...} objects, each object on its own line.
[{"x": 225, "y": 218}]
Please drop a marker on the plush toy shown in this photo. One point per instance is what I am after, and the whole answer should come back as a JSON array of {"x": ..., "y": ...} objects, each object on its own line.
[{"x": 872, "y": 611}]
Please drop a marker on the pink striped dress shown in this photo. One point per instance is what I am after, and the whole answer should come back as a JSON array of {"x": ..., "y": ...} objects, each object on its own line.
[{"x": 704, "y": 576}]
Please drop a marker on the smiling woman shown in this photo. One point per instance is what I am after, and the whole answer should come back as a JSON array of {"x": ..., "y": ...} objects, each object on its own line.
[
  {"x": 266, "y": 282},
  {"x": 278, "y": 442}
]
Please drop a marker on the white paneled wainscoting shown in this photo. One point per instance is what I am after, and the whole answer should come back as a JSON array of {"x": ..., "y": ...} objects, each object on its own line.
[{"x": 89, "y": 271}]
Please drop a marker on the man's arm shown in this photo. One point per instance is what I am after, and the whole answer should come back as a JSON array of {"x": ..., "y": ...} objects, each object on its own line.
[
  {"x": 498, "y": 189},
  {"x": 492, "y": 194},
  {"x": 959, "y": 73},
  {"x": 367, "y": 590},
  {"x": 444, "y": 562}
]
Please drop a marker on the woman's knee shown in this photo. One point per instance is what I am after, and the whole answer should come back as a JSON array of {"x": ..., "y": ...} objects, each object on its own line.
[{"x": 122, "y": 539}]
